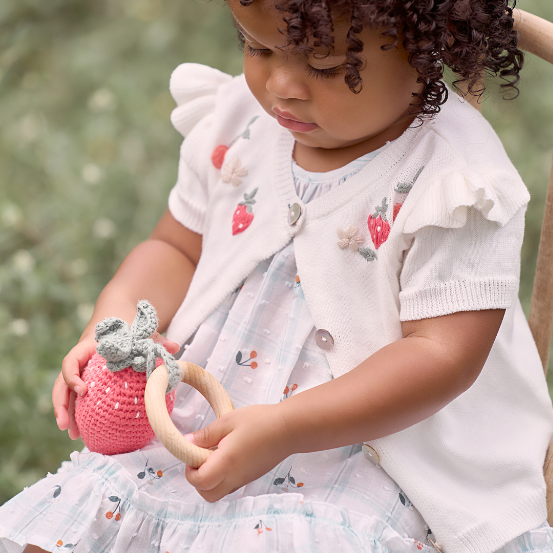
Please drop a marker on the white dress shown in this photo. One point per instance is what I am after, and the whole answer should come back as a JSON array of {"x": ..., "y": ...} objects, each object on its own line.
[{"x": 260, "y": 344}]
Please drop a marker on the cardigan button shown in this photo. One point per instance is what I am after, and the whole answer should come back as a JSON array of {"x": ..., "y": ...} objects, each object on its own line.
[
  {"x": 324, "y": 339},
  {"x": 294, "y": 213},
  {"x": 370, "y": 454}
]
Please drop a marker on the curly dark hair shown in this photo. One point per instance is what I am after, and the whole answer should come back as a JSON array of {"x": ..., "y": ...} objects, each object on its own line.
[{"x": 472, "y": 37}]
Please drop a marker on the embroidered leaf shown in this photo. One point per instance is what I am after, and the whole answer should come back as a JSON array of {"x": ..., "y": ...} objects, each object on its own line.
[
  {"x": 141, "y": 475},
  {"x": 381, "y": 209},
  {"x": 292, "y": 479},
  {"x": 114, "y": 498},
  {"x": 368, "y": 254},
  {"x": 256, "y": 527},
  {"x": 405, "y": 187},
  {"x": 402, "y": 498},
  {"x": 58, "y": 491},
  {"x": 239, "y": 357},
  {"x": 278, "y": 481}
]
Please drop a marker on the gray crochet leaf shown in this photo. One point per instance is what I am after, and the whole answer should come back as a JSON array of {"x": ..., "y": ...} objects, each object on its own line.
[
  {"x": 145, "y": 322},
  {"x": 123, "y": 346},
  {"x": 115, "y": 340}
]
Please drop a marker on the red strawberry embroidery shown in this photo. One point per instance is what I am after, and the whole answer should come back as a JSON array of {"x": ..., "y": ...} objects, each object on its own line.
[
  {"x": 379, "y": 229},
  {"x": 378, "y": 225},
  {"x": 243, "y": 215},
  {"x": 397, "y": 207}
]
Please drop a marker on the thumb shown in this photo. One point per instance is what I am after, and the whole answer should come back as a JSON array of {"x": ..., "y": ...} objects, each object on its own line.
[
  {"x": 211, "y": 435},
  {"x": 170, "y": 346}
]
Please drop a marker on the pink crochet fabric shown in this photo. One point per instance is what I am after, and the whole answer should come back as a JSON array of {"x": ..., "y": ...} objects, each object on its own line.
[{"x": 111, "y": 416}]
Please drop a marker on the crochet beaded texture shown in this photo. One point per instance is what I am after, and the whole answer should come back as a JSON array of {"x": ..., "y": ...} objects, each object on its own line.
[{"x": 111, "y": 416}]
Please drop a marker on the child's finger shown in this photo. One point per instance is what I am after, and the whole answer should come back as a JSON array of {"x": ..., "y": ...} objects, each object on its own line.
[
  {"x": 71, "y": 370},
  {"x": 210, "y": 475},
  {"x": 211, "y": 435},
  {"x": 60, "y": 401},
  {"x": 73, "y": 428},
  {"x": 169, "y": 345}
]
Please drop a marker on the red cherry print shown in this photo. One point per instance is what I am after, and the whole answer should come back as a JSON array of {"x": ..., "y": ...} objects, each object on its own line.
[
  {"x": 253, "y": 365},
  {"x": 59, "y": 543},
  {"x": 294, "y": 387},
  {"x": 267, "y": 528},
  {"x": 117, "y": 517},
  {"x": 160, "y": 473},
  {"x": 253, "y": 354},
  {"x": 109, "y": 515},
  {"x": 286, "y": 390},
  {"x": 419, "y": 545},
  {"x": 397, "y": 207},
  {"x": 297, "y": 279},
  {"x": 218, "y": 155},
  {"x": 259, "y": 530},
  {"x": 379, "y": 230},
  {"x": 300, "y": 484}
]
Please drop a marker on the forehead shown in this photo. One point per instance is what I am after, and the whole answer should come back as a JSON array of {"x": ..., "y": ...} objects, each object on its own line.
[{"x": 264, "y": 24}]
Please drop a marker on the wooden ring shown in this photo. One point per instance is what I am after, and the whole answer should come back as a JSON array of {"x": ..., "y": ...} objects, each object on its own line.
[{"x": 162, "y": 425}]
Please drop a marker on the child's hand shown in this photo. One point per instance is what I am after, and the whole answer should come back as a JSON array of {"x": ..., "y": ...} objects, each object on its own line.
[
  {"x": 69, "y": 383},
  {"x": 251, "y": 441}
]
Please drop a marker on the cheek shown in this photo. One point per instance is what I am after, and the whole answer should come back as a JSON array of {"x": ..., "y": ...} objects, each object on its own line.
[{"x": 255, "y": 78}]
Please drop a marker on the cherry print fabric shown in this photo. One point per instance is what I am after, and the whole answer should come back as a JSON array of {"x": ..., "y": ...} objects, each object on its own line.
[{"x": 260, "y": 344}]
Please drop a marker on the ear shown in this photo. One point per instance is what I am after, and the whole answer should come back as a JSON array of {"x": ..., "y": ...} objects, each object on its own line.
[{"x": 145, "y": 322}]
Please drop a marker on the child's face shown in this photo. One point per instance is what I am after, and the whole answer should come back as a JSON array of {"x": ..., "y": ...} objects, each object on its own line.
[{"x": 308, "y": 95}]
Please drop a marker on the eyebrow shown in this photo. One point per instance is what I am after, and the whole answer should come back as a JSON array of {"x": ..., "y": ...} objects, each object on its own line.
[{"x": 328, "y": 57}]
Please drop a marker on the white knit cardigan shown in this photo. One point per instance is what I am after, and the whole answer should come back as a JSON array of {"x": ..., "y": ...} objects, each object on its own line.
[{"x": 432, "y": 225}]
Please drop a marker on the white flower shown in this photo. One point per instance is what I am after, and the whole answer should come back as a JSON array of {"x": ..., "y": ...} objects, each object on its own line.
[
  {"x": 102, "y": 100},
  {"x": 104, "y": 229},
  {"x": 233, "y": 172},
  {"x": 23, "y": 261},
  {"x": 19, "y": 327},
  {"x": 91, "y": 173},
  {"x": 348, "y": 238}
]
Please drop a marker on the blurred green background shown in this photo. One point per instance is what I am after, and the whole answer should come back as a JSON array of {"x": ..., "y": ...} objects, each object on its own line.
[{"x": 87, "y": 159}]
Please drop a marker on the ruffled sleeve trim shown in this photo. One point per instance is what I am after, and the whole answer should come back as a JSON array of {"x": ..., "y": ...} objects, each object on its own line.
[
  {"x": 194, "y": 88},
  {"x": 445, "y": 201}
]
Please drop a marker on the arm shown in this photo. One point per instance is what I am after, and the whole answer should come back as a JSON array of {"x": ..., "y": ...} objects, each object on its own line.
[
  {"x": 398, "y": 386},
  {"x": 159, "y": 270}
]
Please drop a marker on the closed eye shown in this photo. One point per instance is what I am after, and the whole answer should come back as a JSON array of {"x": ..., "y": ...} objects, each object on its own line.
[{"x": 325, "y": 73}]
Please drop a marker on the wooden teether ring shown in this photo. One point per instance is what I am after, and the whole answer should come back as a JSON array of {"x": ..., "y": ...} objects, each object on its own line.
[{"x": 156, "y": 409}]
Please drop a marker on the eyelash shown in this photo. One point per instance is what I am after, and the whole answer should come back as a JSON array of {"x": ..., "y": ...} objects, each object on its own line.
[{"x": 311, "y": 71}]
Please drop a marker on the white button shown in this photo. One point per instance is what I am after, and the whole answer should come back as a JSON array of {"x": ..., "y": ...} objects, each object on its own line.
[
  {"x": 324, "y": 339},
  {"x": 294, "y": 214},
  {"x": 370, "y": 454}
]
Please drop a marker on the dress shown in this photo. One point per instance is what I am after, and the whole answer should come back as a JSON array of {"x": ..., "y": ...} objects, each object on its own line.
[
  {"x": 335, "y": 487},
  {"x": 432, "y": 225},
  {"x": 325, "y": 501}
]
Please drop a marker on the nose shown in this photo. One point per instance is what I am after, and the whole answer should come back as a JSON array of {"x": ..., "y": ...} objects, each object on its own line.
[{"x": 287, "y": 82}]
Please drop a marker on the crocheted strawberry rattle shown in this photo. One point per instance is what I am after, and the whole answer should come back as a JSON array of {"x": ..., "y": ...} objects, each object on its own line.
[
  {"x": 111, "y": 416},
  {"x": 131, "y": 383}
]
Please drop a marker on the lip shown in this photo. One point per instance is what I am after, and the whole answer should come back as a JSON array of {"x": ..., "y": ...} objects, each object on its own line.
[{"x": 288, "y": 121}]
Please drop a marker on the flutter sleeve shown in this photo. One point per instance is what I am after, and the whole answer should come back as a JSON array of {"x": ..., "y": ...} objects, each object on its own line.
[
  {"x": 466, "y": 234},
  {"x": 194, "y": 88}
]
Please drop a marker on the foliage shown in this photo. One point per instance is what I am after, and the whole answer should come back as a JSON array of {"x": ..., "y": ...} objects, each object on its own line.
[{"x": 87, "y": 158}]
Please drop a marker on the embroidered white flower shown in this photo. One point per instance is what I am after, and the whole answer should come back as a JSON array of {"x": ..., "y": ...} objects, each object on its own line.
[
  {"x": 348, "y": 238},
  {"x": 233, "y": 172}
]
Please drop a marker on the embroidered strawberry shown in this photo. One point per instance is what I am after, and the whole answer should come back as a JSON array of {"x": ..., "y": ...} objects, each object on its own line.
[
  {"x": 379, "y": 227},
  {"x": 397, "y": 207},
  {"x": 243, "y": 216}
]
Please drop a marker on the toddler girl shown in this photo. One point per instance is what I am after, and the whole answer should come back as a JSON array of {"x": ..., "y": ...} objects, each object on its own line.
[{"x": 342, "y": 252}]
